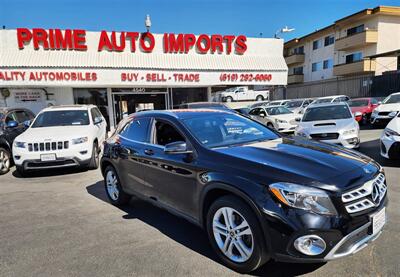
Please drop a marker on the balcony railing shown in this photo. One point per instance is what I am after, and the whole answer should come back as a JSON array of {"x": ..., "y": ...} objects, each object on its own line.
[
  {"x": 295, "y": 78},
  {"x": 356, "y": 40},
  {"x": 294, "y": 58},
  {"x": 363, "y": 66}
]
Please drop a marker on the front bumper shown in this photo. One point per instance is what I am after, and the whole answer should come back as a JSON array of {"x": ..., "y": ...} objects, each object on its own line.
[
  {"x": 75, "y": 155},
  {"x": 347, "y": 141},
  {"x": 285, "y": 127},
  {"x": 390, "y": 146}
]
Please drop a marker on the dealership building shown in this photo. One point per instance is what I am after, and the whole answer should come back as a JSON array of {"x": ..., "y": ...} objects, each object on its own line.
[{"x": 123, "y": 72}]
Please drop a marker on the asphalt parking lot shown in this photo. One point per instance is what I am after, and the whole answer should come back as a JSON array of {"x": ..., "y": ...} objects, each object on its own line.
[{"x": 59, "y": 223}]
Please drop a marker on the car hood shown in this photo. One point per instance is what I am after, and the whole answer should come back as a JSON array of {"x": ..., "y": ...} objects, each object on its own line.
[
  {"x": 394, "y": 124},
  {"x": 327, "y": 126},
  {"x": 388, "y": 107},
  {"x": 359, "y": 109},
  {"x": 59, "y": 133},
  {"x": 288, "y": 117},
  {"x": 303, "y": 161}
]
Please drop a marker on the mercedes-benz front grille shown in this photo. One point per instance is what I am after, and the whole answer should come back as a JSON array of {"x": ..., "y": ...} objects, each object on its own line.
[
  {"x": 369, "y": 195},
  {"x": 48, "y": 146}
]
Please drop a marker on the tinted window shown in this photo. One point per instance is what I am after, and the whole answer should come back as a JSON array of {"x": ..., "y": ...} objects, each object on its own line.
[
  {"x": 294, "y": 104},
  {"x": 374, "y": 101},
  {"x": 166, "y": 133},
  {"x": 10, "y": 117},
  {"x": 61, "y": 118},
  {"x": 22, "y": 116},
  {"x": 326, "y": 113},
  {"x": 395, "y": 98},
  {"x": 95, "y": 113},
  {"x": 255, "y": 111},
  {"x": 227, "y": 129},
  {"x": 323, "y": 100},
  {"x": 358, "y": 103},
  {"x": 136, "y": 130},
  {"x": 278, "y": 110}
]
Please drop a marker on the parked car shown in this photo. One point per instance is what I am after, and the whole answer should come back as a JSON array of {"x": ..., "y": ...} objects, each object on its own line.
[
  {"x": 278, "y": 103},
  {"x": 331, "y": 123},
  {"x": 258, "y": 195},
  {"x": 298, "y": 105},
  {"x": 390, "y": 139},
  {"x": 13, "y": 122},
  {"x": 61, "y": 136},
  {"x": 204, "y": 105},
  {"x": 331, "y": 99},
  {"x": 278, "y": 117},
  {"x": 241, "y": 94},
  {"x": 259, "y": 104},
  {"x": 362, "y": 108},
  {"x": 242, "y": 111},
  {"x": 387, "y": 110}
]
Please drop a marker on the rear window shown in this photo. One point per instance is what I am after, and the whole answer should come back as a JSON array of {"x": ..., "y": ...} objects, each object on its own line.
[
  {"x": 136, "y": 130},
  {"x": 358, "y": 103}
]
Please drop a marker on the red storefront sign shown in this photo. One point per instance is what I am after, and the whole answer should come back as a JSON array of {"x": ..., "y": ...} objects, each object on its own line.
[{"x": 56, "y": 39}]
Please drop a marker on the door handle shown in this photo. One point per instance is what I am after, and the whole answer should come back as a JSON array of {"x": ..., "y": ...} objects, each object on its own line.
[{"x": 149, "y": 152}]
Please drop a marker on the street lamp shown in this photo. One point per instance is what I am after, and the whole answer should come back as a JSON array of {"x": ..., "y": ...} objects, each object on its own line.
[
  {"x": 283, "y": 30},
  {"x": 147, "y": 23}
]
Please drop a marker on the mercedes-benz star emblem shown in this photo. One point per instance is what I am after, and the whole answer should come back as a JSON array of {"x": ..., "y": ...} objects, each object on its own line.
[{"x": 376, "y": 198}]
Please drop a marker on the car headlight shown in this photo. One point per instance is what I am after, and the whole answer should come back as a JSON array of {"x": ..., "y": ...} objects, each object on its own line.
[
  {"x": 374, "y": 112},
  {"x": 389, "y": 132},
  {"x": 303, "y": 197},
  {"x": 79, "y": 140},
  {"x": 349, "y": 132},
  {"x": 392, "y": 114},
  {"x": 280, "y": 121},
  {"x": 19, "y": 144}
]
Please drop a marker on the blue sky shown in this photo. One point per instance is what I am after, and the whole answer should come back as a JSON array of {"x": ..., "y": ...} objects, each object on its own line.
[{"x": 182, "y": 16}]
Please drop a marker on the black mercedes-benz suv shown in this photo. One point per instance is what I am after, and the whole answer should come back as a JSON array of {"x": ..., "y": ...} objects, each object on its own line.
[{"x": 258, "y": 195}]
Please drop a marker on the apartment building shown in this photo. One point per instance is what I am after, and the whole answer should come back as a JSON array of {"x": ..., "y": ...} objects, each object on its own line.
[{"x": 344, "y": 48}]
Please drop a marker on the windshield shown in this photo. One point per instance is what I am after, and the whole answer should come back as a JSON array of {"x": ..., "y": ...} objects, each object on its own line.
[
  {"x": 61, "y": 118},
  {"x": 226, "y": 129},
  {"x": 327, "y": 113},
  {"x": 274, "y": 103},
  {"x": 323, "y": 100},
  {"x": 394, "y": 98},
  {"x": 294, "y": 104},
  {"x": 278, "y": 110},
  {"x": 231, "y": 89},
  {"x": 358, "y": 103}
]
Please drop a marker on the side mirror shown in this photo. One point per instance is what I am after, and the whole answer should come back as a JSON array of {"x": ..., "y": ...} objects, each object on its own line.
[
  {"x": 177, "y": 147},
  {"x": 12, "y": 124},
  {"x": 98, "y": 120},
  {"x": 297, "y": 119},
  {"x": 357, "y": 114},
  {"x": 27, "y": 123}
]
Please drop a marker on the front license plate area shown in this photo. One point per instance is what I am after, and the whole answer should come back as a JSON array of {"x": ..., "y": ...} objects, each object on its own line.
[
  {"x": 48, "y": 157},
  {"x": 378, "y": 221}
]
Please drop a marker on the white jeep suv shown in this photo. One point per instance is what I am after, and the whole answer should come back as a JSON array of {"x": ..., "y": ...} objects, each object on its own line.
[{"x": 61, "y": 136}]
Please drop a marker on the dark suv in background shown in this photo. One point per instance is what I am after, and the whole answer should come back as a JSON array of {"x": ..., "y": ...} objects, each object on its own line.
[
  {"x": 257, "y": 194},
  {"x": 13, "y": 122}
]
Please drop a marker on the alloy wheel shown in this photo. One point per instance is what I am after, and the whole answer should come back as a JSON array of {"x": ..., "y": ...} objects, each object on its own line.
[
  {"x": 4, "y": 161},
  {"x": 112, "y": 185},
  {"x": 233, "y": 234}
]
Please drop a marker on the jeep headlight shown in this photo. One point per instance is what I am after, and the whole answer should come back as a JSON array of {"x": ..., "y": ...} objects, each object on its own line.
[
  {"x": 303, "y": 197},
  {"x": 389, "y": 132},
  {"x": 79, "y": 140},
  {"x": 19, "y": 144},
  {"x": 349, "y": 132}
]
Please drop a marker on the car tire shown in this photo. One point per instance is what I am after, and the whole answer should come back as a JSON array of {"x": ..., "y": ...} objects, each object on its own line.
[
  {"x": 229, "y": 99},
  {"x": 5, "y": 160},
  {"x": 95, "y": 159},
  {"x": 259, "y": 98},
  {"x": 244, "y": 253},
  {"x": 113, "y": 187}
]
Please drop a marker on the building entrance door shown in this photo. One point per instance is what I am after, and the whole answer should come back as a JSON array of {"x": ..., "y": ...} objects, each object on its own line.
[{"x": 126, "y": 103}]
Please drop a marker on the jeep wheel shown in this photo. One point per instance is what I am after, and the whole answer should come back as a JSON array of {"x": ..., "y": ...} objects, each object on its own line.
[
  {"x": 94, "y": 161},
  {"x": 235, "y": 234},
  {"x": 113, "y": 188},
  {"x": 21, "y": 171},
  {"x": 5, "y": 161}
]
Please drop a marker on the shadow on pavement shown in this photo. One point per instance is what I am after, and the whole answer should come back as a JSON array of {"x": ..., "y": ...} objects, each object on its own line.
[
  {"x": 50, "y": 172},
  {"x": 372, "y": 149},
  {"x": 190, "y": 235}
]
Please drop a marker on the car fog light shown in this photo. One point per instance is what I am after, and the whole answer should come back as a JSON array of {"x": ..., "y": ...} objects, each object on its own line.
[{"x": 310, "y": 245}]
